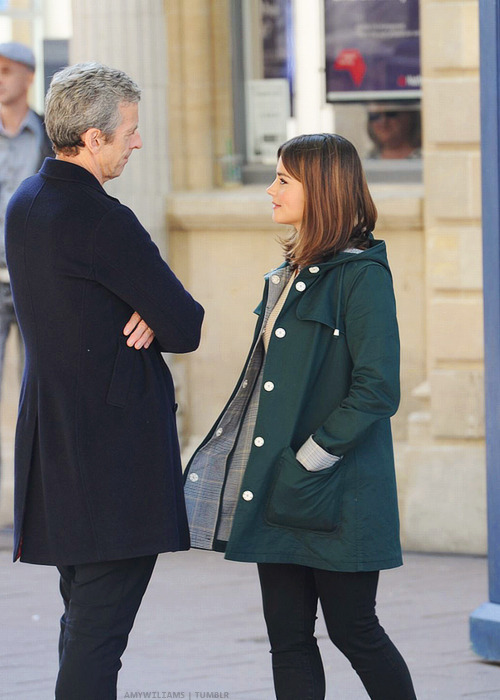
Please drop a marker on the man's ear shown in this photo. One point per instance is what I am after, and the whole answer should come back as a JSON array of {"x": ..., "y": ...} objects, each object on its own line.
[{"x": 93, "y": 139}]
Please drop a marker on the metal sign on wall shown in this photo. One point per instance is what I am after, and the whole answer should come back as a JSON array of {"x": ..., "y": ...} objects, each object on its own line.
[
  {"x": 268, "y": 110},
  {"x": 372, "y": 50}
]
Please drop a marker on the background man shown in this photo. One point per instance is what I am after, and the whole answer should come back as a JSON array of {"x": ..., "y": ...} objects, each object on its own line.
[
  {"x": 23, "y": 147},
  {"x": 98, "y": 476}
]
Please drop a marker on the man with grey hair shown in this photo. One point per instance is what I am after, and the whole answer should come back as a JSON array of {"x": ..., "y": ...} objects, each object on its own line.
[
  {"x": 23, "y": 148},
  {"x": 98, "y": 475}
]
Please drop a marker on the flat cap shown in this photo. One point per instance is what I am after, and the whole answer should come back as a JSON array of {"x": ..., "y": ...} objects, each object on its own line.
[{"x": 19, "y": 53}]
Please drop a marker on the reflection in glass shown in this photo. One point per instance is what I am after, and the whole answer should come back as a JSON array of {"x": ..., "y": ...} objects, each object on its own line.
[{"x": 395, "y": 130}]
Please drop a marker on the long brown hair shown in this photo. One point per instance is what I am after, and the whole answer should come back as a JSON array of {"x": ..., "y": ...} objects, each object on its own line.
[{"x": 338, "y": 209}]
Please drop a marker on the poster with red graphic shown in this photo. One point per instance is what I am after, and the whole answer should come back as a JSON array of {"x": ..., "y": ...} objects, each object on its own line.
[{"x": 372, "y": 50}]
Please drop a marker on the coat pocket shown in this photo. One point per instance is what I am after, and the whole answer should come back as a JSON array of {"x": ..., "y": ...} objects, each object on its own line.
[
  {"x": 305, "y": 500},
  {"x": 121, "y": 378}
]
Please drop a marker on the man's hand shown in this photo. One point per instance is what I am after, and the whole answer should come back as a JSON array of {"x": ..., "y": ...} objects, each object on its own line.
[{"x": 140, "y": 334}]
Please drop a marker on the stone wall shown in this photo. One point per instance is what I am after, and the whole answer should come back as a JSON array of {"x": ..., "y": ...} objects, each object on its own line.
[
  {"x": 222, "y": 243},
  {"x": 444, "y": 461},
  {"x": 199, "y": 96}
]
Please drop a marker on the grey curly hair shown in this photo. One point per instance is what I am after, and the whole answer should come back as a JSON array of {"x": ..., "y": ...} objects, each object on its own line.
[{"x": 85, "y": 96}]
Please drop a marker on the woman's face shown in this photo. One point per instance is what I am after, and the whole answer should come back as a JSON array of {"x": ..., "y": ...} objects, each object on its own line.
[{"x": 288, "y": 198}]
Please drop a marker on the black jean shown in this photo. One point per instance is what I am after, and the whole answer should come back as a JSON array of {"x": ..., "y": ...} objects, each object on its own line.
[
  {"x": 290, "y": 596},
  {"x": 100, "y": 604}
]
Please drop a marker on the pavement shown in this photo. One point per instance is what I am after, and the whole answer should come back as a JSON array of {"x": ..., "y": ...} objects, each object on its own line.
[{"x": 200, "y": 633}]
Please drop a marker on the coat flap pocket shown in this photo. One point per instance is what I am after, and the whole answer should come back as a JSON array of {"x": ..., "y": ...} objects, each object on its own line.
[
  {"x": 121, "y": 378},
  {"x": 305, "y": 500}
]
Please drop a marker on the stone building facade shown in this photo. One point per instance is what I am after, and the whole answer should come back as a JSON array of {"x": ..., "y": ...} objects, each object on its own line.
[
  {"x": 443, "y": 461},
  {"x": 220, "y": 240}
]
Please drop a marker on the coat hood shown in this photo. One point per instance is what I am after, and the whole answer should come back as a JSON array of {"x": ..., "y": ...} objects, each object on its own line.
[{"x": 376, "y": 253}]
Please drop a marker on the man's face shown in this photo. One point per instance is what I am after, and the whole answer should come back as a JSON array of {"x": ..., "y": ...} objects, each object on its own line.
[
  {"x": 116, "y": 152},
  {"x": 15, "y": 81}
]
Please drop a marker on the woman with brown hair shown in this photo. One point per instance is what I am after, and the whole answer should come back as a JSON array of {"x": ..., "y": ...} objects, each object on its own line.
[{"x": 297, "y": 473}]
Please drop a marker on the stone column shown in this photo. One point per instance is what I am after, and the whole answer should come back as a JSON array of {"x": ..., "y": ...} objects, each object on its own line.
[
  {"x": 485, "y": 620},
  {"x": 131, "y": 35},
  {"x": 200, "y": 99},
  {"x": 445, "y": 460}
]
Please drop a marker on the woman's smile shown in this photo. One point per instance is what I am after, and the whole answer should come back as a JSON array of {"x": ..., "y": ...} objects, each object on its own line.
[{"x": 288, "y": 198}]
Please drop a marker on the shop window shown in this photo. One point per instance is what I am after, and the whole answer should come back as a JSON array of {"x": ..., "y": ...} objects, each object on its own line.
[
  {"x": 372, "y": 72},
  {"x": 263, "y": 65},
  {"x": 372, "y": 82}
]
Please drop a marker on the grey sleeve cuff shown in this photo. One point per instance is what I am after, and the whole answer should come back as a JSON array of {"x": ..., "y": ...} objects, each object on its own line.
[{"x": 313, "y": 457}]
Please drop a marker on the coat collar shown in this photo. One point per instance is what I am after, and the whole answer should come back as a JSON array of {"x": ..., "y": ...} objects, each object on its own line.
[{"x": 70, "y": 172}]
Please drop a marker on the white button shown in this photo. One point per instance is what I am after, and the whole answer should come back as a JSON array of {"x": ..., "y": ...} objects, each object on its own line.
[
  {"x": 219, "y": 432},
  {"x": 244, "y": 383},
  {"x": 193, "y": 477},
  {"x": 280, "y": 332},
  {"x": 258, "y": 442},
  {"x": 268, "y": 386},
  {"x": 300, "y": 286},
  {"x": 247, "y": 495},
  {"x": 275, "y": 279},
  {"x": 314, "y": 269}
]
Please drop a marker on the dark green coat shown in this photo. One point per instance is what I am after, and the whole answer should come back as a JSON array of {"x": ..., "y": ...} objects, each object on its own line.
[{"x": 335, "y": 372}]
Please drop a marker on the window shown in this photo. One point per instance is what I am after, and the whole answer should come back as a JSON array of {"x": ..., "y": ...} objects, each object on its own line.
[{"x": 371, "y": 88}]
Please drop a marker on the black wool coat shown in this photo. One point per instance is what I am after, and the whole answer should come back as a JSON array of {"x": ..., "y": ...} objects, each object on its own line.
[{"x": 96, "y": 424}]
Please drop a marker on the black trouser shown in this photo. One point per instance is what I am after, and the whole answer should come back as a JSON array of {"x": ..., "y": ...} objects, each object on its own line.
[
  {"x": 100, "y": 604},
  {"x": 290, "y": 595}
]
